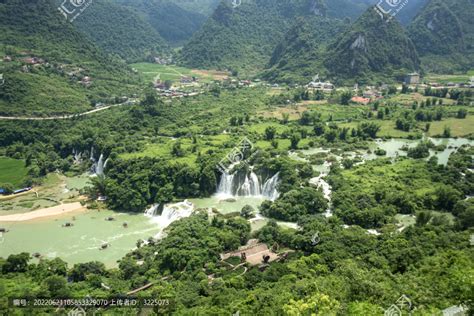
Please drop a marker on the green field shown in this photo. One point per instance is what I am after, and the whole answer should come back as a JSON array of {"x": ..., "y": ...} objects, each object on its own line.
[
  {"x": 451, "y": 78},
  {"x": 162, "y": 147},
  {"x": 12, "y": 171},
  {"x": 151, "y": 72}
]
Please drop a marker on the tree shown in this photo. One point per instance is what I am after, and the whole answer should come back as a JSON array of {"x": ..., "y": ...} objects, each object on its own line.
[
  {"x": 56, "y": 286},
  {"x": 294, "y": 139},
  {"x": 317, "y": 304},
  {"x": 462, "y": 114},
  {"x": 423, "y": 218},
  {"x": 447, "y": 132},
  {"x": 16, "y": 263},
  {"x": 81, "y": 270},
  {"x": 319, "y": 129},
  {"x": 346, "y": 97},
  {"x": 177, "y": 151},
  {"x": 247, "y": 212},
  {"x": 270, "y": 132},
  {"x": 7, "y": 188},
  {"x": 168, "y": 84},
  {"x": 368, "y": 130},
  {"x": 306, "y": 118}
]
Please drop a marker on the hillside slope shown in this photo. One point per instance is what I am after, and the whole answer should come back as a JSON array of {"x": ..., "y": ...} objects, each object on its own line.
[
  {"x": 242, "y": 38},
  {"x": 299, "y": 56},
  {"x": 371, "y": 47},
  {"x": 443, "y": 33},
  {"x": 49, "y": 58},
  {"x": 173, "y": 22},
  {"x": 121, "y": 31}
]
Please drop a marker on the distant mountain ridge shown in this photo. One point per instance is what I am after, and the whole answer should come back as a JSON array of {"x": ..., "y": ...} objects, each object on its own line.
[
  {"x": 121, "y": 31},
  {"x": 372, "y": 45},
  {"x": 243, "y": 38},
  {"x": 170, "y": 18},
  {"x": 443, "y": 33}
]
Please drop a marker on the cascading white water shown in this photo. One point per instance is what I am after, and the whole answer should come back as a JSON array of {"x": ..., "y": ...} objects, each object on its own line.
[
  {"x": 254, "y": 184},
  {"x": 170, "y": 214},
  {"x": 225, "y": 185},
  {"x": 152, "y": 210},
  {"x": 77, "y": 156},
  {"x": 245, "y": 188},
  {"x": 99, "y": 167},
  {"x": 319, "y": 182},
  {"x": 270, "y": 187},
  {"x": 229, "y": 186}
]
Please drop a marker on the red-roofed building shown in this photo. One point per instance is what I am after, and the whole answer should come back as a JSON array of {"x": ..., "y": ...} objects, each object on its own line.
[{"x": 360, "y": 100}]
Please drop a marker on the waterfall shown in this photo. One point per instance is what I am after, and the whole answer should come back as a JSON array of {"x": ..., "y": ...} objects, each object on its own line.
[
  {"x": 319, "y": 182},
  {"x": 232, "y": 185},
  {"x": 225, "y": 185},
  {"x": 245, "y": 189},
  {"x": 254, "y": 184},
  {"x": 170, "y": 214},
  {"x": 270, "y": 187},
  {"x": 152, "y": 210},
  {"x": 99, "y": 166},
  {"x": 77, "y": 156}
]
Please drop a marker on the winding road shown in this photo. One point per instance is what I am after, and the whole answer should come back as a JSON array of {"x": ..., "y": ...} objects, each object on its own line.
[{"x": 62, "y": 117}]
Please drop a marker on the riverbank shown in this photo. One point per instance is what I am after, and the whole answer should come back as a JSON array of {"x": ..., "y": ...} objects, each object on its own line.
[{"x": 45, "y": 212}]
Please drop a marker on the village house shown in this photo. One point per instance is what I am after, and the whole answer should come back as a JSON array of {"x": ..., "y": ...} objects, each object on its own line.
[
  {"x": 360, "y": 100},
  {"x": 413, "y": 78},
  {"x": 7, "y": 59},
  {"x": 86, "y": 81},
  {"x": 162, "y": 60},
  {"x": 186, "y": 79},
  {"x": 33, "y": 60},
  {"x": 317, "y": 84}
]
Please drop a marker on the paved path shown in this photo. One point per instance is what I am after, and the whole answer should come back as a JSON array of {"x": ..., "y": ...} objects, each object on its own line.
[{"x": 60, "y": 117}]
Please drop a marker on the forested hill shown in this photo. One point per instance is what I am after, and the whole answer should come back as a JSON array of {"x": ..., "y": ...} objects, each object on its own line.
[
  {"x": 298, "y": 57},
  {"x": 121, "y": 31},
  {"x": 371, "y": 46},
  {"x": 244, "y": 37},
  {"x": 443, "y": 33},
  {"x": 205, "y": 7},
  {"x": 170, "y": 18},
  {"x": 49, "y": 58}
]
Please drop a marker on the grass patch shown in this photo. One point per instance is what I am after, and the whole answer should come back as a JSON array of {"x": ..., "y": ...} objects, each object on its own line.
[
  {"x": 12, "y": 171},
  {"x": 150, "y": 72},
  {"x": 163, "y": 148},
  {"x": 459, "y": 127}
]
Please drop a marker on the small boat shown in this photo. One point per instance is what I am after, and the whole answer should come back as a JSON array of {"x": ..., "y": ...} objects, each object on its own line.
[
  {"x": 68, "y": 224},
  {"x": 3, "y": 230},
  {"x": 104, "y": 246},
  {"x": 36, "y": 255},
  {"x": 109, "y": 219}
]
